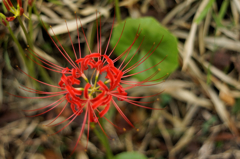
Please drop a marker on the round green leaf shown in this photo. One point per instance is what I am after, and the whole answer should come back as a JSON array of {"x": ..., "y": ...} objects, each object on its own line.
[
  {"x": 152, "y": 32},
  {"x": 130, "y": 155}
]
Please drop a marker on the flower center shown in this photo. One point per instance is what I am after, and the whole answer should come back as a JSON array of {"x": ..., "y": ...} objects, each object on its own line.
[{"x": 95, "y": 92}]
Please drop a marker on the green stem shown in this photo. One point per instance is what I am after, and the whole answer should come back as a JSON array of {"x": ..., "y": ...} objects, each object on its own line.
[
  {"x": 43, "y": 72},
  {"x": 117, "y": 11},
  {"x": 18, "y": 45},
  {"x": 25, "y": 31},
  {"x": 104, "y": 140},
  {"x": 30, "y": 26},
  {"x": 31, "y": 67},
  {"x": 23, "y": 56}
]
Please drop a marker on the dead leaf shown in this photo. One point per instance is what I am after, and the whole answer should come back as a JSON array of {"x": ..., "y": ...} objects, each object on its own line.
[{"x": 227, "y": 98}]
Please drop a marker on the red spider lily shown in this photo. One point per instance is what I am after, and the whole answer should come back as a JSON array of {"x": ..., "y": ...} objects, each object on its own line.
[
  {"x": 4, "y": 23},
  {"x": 95, "y": 98},
  {"x": 30, "y": 2},
  {"x": 19, "y": 11}
]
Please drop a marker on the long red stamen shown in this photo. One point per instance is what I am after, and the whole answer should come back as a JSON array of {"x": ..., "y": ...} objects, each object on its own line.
[
  {"x": 81, "y": 132},
  {"x": 67, "y": 124},
  {"x": 98, "y": 48},
  {"x": 112, "y": 123},
  {"x": 146, "y": 84},
  {"x": 129, "y": 48},
  {"x": 79, "y": 47},
  {"x": 63, "y": 121},
  {"x": 45, "y": 61},
  {"x": 40, "y": 92},
  {"x": 129, "y": 101},
  {"x": 47, "y": 110},
  {"x": 131, "y": 97},
  {"x": 85, "y": 37},
  {"x": 71, "y": 41},
  {"x": 122, "y": 114},
  {"x": 133, "y": 54},
  {"x": 144, "y": 81},
  {"x": 45, "y": 106},
  {"x": 69, "y": 61},
  {"x": 88, "y": 126},
  {"x": 140, "y": 62},
  {"x": 146, "y": 69},
  {"x": 38, "y": 80},
  {"x": 58, "y": 115},
  {"x": 100, "y": 43},
  {"x": 109, "y": 36},
  {"x": 42, "y": 65},
  {"x": 69, "y": 58},
  {"x": 118, "y": 40},
  {"x": 37, "y": 97}
]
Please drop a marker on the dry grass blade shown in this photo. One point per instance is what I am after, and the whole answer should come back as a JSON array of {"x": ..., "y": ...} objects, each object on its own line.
[
  {"x": 231, "y": 34},
  {"x": 188, "y": 96},
  {"x": 31, "y": 127},
  {"x": 188, "y": 46},
  {"x": 177, "y": 9},
  {"x": 165, "y": 134},
  {"x": 206, "y": 28},
  {"x": 186, "y": 138},
  {"x": 92, "y": 10},
  {"x": 128, "y": 3},
  {"x": 145, "y": 142},
  {"x": 47, "y": 19},
  {"x": 235, "y": 13},
  {"x": 224, "y": 155},
  {"x": 237, "y": 4},
  {"x": 162, "y": 4},
  {"x": 192, "y": 65},
  {"x": 81, "y": 155},
  {"x": 213, "y": 42},
  {"x": 49, "y": 12},
  {"x": 208, "y": 146},
  {"x": 2, "y": 151},
  {"x": 145, "y": 6},
  {"x": 190, "y": 115},
  {"x": 222, "y": 112},
  {"x": 61, "y": 28},
  {"x": 219, "y": 73},
  {"x": 176, "y": 122},
  {"x": 128, "y": 141},
  {"x": 225, "y": 93}
]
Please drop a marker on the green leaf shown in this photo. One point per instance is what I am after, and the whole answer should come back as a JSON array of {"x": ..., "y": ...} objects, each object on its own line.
[
  {"x": 204, "y": 12},
  {"x": 152, "y": 32},
  {"x": 236, "y": 107},
  {"x": 206, "y": 125},
  {"x": 217, "y": 20},
  {"x": 130, "y": 155},
  {"x": 165, "y": 99},
  {"x": 55, "y": 2},
  {"x": 223, "y": 9}
]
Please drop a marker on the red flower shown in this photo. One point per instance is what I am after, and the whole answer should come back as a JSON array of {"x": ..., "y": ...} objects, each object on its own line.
[
  {"x": 3, "y": 21},
  {"x": 97, "y": 95},
  {"x": 30, "y": 2},
  {"x": 19, "y": 11}
]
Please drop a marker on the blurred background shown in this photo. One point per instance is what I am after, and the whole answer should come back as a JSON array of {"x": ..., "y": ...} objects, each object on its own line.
[{"x": 201, "y": 94}]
